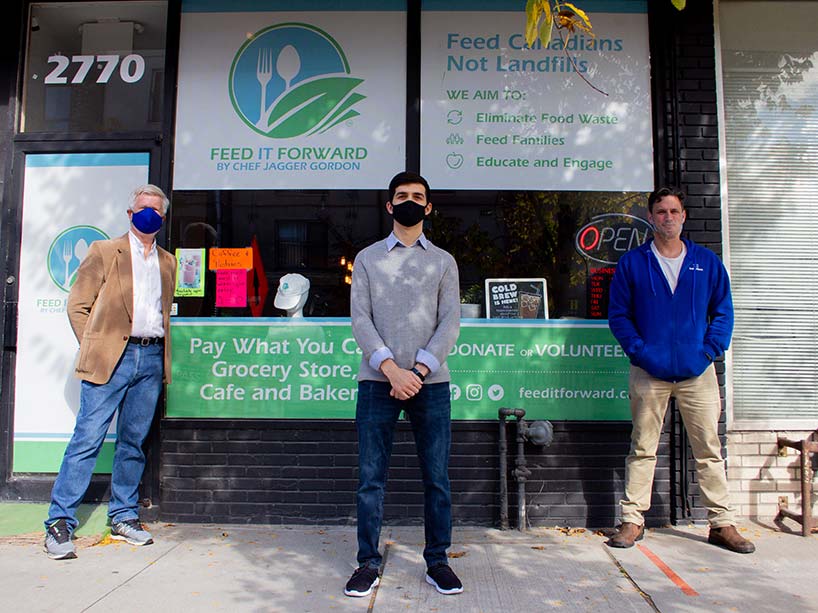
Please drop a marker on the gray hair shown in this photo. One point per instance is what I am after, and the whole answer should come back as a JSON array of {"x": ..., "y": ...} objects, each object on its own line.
[{"x": 150, "y": 190}]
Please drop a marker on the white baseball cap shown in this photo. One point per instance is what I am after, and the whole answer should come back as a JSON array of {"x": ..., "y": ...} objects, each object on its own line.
[{"x": 290, "y": 289}]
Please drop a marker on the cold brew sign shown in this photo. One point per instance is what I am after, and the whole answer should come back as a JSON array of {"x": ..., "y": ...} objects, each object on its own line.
[
  {"x": 497, "y": 114},
  {"x": 516, "y": 299}
]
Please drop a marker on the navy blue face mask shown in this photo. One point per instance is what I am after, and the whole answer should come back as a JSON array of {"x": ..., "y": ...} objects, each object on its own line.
[{"x": 147, "y": 221}]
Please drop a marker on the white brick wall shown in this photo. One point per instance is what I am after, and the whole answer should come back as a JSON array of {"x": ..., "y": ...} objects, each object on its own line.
[{"x": 758, "y": 476}]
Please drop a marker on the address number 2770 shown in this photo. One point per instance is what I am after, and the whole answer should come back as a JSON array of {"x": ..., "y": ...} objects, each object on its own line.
[{"x": 131, "y": 68}]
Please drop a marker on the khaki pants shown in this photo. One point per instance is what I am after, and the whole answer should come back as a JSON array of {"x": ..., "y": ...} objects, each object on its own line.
[{"x": 699, "y": 405}]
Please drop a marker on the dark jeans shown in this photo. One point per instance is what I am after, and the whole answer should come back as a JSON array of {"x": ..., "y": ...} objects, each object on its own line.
[{"x": 430, "y": 415}]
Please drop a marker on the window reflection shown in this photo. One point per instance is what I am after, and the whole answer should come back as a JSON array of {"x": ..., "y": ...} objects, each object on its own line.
[
  {"x": 491, "y": 234},
  {"x": 94, "y": 67}
]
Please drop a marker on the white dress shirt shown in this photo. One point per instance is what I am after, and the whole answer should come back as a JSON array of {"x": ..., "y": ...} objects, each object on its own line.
[{"x": 147, "y": 291}]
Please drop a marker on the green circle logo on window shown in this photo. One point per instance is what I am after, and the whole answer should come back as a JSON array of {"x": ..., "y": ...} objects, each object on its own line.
[
  {"x": 292, "y": 79},
  {"x": 67, "y": 252}
]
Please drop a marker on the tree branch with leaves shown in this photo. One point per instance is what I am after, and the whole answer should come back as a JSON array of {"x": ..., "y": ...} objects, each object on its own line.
[{"x": 543, "y": 17}]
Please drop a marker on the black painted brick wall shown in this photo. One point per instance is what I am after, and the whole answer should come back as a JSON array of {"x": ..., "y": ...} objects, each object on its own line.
[
  {"x": 691, "y": 128},
  {"x": 689, "y": 118},
  {"x": 306, "y": 472}
]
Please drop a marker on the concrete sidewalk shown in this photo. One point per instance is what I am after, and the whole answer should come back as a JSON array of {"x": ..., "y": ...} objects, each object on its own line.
[{"x": 304, "y": 568}]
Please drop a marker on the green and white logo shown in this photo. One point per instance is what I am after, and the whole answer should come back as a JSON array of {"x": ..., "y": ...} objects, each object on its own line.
[
  {"x": 67, "y": 252},
  {"x": 292, "y": 79}
]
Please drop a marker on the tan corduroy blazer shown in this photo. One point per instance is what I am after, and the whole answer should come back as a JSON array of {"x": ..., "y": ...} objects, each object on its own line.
[{"x": 100, "y": 307}]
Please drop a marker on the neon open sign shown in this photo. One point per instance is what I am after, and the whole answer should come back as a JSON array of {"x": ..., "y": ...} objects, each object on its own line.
[{"x": 608, "y": 236}]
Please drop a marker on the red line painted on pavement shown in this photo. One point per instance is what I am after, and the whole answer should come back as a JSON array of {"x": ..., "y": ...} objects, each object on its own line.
[{"x": 680, "y": 583}]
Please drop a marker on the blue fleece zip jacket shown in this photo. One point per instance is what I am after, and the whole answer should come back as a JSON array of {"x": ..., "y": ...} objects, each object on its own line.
[{"x": 673, "y": 336}]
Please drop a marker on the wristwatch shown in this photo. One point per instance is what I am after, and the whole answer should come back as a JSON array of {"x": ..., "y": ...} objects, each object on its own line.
[{"x": 420, "y": 376}]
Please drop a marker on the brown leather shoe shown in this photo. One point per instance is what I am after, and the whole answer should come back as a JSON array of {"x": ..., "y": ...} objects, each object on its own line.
[
  {"x": 729, "y": 538},
  {"x": 627, "y": 535}
]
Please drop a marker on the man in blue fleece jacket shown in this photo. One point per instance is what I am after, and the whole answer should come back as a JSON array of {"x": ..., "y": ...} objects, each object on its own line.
[{"x": 672, "y": 312}]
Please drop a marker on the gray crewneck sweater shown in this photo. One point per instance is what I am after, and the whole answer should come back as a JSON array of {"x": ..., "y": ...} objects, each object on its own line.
[{"x": 406, "y": 299}]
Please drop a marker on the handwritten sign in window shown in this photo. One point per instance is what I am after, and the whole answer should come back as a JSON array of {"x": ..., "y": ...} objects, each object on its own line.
[
  {"x": 231, "y": 258},
  {"x": 231, "y": 288}
]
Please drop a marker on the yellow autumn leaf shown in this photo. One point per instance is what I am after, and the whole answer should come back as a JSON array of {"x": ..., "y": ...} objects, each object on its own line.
[
  {"x": 541, "y": 18},
  {"x": 539, "y": 22},
  {"x": 546, "y": 29},
  {"x": 532, "y": 16},
  {"x": 532, "y": 10},
  {"x": 530, "y": 32},
  {"x": 570, "y": 21},
  {"x": 565, "y": 19},
  {"x": 547, "y": 25},
  {"x": 580, "y": 13}
]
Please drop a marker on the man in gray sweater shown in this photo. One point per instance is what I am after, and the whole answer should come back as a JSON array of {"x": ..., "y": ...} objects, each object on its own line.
[{"x": 406, "y": 318}]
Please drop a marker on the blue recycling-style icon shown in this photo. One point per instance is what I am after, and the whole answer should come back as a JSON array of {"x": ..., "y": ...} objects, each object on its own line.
[
  {"x": 67, "y": 252},
  {"x": 292, "y": 79}
]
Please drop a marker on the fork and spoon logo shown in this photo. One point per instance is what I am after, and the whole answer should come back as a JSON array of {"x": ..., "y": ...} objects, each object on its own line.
[
  {"x": 292, "y": 80},
  {"x": 67, "y": 252}
]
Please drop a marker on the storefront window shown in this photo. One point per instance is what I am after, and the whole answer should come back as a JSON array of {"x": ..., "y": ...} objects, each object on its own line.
[
  {"x": 572, "y": 239},
  {"x": 94, "y": 67},
  {"x": 770, "y": 88},
  {"x": 290, "y": 124}
]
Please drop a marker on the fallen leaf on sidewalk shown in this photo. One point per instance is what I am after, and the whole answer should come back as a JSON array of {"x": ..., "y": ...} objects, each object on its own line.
[
  {"x": 456, "y": 554},
  {"x": 538, "y": 547}
]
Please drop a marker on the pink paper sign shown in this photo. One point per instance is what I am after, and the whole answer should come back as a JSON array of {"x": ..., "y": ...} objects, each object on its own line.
[{"x": 231, "y": 288}]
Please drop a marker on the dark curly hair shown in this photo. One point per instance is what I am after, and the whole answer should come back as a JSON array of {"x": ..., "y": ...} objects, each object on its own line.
[{"x": 665, "y": 191}]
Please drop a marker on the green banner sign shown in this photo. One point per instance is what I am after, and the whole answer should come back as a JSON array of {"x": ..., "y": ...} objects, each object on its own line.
[{"x": 307, "y": 369}]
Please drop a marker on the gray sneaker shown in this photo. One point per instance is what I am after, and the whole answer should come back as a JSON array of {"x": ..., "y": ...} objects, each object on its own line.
[
  {"x": 58, "y": 543},
  {"x": 132, "y": 532}
]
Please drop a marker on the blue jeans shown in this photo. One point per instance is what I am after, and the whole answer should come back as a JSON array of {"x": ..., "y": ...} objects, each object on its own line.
[
  {"x": 430, "y": 415},
  {"x": 133, "y": 389}
]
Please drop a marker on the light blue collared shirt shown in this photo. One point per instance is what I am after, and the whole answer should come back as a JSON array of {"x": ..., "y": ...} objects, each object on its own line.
[{"x": 392, "y": 241}]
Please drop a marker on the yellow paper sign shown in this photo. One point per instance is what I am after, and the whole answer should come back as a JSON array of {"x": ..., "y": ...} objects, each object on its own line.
[{"x": 238, "y": 258}]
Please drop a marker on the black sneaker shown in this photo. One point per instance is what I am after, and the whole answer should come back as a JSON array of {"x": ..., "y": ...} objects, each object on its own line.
[
  {"x": 444, "y": 579},
  {"x": 362, "y": 581},
  {"x": 58, "y": 543}
]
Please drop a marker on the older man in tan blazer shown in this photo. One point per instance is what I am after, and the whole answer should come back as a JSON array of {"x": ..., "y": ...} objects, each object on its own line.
[{"x": 119, "y": 309}]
